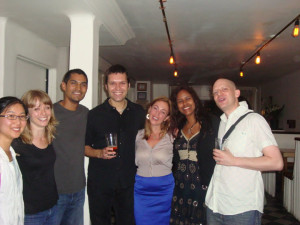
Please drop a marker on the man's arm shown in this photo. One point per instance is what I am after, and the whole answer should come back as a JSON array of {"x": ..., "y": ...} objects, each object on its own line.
[
  {"x": 105, "y": 153},
  {"x": 271, "y": 159}
]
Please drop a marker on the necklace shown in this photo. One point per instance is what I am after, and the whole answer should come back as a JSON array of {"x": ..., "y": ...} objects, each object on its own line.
[{"x": 190, "y": 129}]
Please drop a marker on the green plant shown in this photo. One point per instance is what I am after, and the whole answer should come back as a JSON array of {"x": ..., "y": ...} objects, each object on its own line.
[{"x": 272, "y": 111}]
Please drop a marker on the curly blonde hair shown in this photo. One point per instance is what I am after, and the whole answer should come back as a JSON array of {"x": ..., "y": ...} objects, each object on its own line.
[
  {"x": 29, "y": 99},
  {"x": 165, "y": 126}
]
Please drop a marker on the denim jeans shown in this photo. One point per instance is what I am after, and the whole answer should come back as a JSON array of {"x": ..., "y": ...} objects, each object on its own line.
[
  {"x": 70, "y": 208},
  {"x": 252, "y": 217},
  {"x": 47, "y": 217}
]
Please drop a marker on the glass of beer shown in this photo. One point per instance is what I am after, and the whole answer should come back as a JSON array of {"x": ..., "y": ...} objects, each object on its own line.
[{"x": 112, "y": 141}]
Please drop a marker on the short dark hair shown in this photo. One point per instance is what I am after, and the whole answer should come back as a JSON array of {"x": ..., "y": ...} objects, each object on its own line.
[
  {"x": 8, "y": 101},
  {"x": 70, "y": 72},
  {"x": 115, "y": 69}
]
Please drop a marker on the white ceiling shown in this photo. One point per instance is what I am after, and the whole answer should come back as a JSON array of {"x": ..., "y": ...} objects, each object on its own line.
[{"x": 210, "y": 38}]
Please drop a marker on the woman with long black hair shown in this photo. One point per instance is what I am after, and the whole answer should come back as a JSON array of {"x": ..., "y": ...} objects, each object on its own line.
[{"x": 193, "y": 162}]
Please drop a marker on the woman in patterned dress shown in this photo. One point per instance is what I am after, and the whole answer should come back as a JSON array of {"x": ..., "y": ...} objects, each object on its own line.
[{"x": 193, "y": 162}]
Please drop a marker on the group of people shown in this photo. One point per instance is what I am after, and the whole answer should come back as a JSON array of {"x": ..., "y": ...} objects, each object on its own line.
[
  {"x": 167, "y": 170},
  {"x": 42, "y": 179}
]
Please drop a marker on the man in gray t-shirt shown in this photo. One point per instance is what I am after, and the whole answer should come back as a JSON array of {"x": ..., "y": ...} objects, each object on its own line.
[{"x": 69, "y": 148}]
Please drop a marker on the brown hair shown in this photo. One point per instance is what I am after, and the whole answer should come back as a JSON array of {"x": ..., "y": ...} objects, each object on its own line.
[
  {"x": 29, "y": 99},
  {"x": 165, "y": 126}
]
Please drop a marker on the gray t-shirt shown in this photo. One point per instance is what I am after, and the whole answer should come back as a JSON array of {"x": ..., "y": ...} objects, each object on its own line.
[{"x": 69, "y": 145}]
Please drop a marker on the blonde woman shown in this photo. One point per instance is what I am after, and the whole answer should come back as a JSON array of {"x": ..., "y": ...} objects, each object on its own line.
[
  {"x": 154, "y": 182},
  {"x": 36, "y": 159},
  {"x": 13, "y": 116}
]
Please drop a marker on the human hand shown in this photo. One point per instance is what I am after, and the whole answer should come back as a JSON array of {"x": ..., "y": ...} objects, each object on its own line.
[
  {"x": 106, "y": 153},
  {"x": 223, "y": 157}
]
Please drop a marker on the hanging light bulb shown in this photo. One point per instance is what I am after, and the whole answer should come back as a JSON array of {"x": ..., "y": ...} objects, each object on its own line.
[
  {"x": 171, "y": 61},
  {"x": 175, "y": 73},
  {"x": 257, "y": 59},
  {"x": 296, "y": 29},
  {"x": 241, "y": 73}
]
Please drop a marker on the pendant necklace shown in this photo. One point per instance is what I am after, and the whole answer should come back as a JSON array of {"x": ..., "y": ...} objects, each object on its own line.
[{"x": 190, "y": 129}]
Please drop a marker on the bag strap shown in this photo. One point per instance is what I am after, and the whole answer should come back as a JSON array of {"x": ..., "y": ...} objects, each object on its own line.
[{"x": 233, "y": 126}]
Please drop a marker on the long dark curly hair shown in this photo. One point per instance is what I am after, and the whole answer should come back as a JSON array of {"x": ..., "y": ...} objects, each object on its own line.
[{"x": 201, "y": 115}]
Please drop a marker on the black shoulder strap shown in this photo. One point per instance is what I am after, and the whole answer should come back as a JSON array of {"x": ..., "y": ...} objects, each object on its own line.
[{"x": 233, "y": 126}]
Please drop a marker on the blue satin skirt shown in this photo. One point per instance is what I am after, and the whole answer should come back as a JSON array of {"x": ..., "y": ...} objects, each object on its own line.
[{"x": 152, "y": 199}]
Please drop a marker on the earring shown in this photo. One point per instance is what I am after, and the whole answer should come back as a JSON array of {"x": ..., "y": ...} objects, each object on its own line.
[{"x": 147, "y": 116}]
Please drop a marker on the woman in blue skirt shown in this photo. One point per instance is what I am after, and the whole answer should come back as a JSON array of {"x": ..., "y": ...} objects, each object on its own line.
[{"x": 154, "y": 182}]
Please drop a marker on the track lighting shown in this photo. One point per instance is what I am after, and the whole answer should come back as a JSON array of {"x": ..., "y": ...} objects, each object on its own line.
[
  {"x": 296, "y": 29},
  {"x": 175, "y": 73},
  {"x": 257, "y": 59},
  {"x": 171, "y": 61},
  {"x": 241, "y": 73},
  {"x": 257, "y": 52}
]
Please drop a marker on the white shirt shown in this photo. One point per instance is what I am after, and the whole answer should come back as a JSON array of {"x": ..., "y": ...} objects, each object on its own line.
[
  {"x": 156, "y": 161},
  {"x": 235, "y": 190},
  {"x": 11, "y": 188}
]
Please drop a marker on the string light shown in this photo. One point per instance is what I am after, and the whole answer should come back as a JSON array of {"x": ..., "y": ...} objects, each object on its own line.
[
  {"x": 257, "y": 53},
  {"x": 296, "y": 29},
  {"x": 257, "y": 59}
]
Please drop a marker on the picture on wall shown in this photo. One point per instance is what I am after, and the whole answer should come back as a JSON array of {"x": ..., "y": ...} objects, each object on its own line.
[
  {"x": 142, "y": 95},
  {"x": 142, "y": 86}
]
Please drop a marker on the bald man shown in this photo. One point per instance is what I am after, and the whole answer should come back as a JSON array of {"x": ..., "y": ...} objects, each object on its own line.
[{"x": 236, "y": 192}]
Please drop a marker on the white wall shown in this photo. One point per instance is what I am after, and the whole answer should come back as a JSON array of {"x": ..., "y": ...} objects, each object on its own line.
[
  {"x": 285, "y": 91},
  {"x": 3, "y": 22},
  {"x": 286, "y": 140},
  {"x": 203, "y": 91},
  {"x": 21, "y": 42},
  {"x": 160, "y": 90},
  {"x": 62, "y": 67}
]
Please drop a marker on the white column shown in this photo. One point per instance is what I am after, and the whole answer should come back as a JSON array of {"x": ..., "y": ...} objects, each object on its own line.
[
  {"x": 84, "y": 48},
  {"x": 296, "y": 182},
  {"x": 84, "y": 51},
  {"x": 3, "y": 21}
]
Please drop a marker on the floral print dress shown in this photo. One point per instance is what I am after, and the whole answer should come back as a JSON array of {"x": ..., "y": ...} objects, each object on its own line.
[{"x": 189, "y": 195}]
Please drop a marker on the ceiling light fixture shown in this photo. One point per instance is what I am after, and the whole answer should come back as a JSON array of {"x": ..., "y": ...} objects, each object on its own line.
[
  {"x": 296, "y": 29},
  {"x": 257, "y": 59},
  {"x": 241, "y": 73},
  {"x": 175, "y": 73},
  {"x": 257, "y": 52},
  {"x": 172, "y": 59}
]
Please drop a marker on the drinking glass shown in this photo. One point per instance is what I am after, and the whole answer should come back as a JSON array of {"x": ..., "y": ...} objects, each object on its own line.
[
  {"x": 112, "y": 141},
  {"x": 220, "y": 143}
]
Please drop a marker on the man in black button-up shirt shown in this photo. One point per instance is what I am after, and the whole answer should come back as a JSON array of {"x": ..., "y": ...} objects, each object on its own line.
[{"x": 111, "y": 177}]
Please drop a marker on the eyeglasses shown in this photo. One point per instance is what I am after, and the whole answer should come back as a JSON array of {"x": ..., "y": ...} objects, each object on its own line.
[
  {"x": 14, "y": 117},
  {"x": 221, "y": 90}
]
